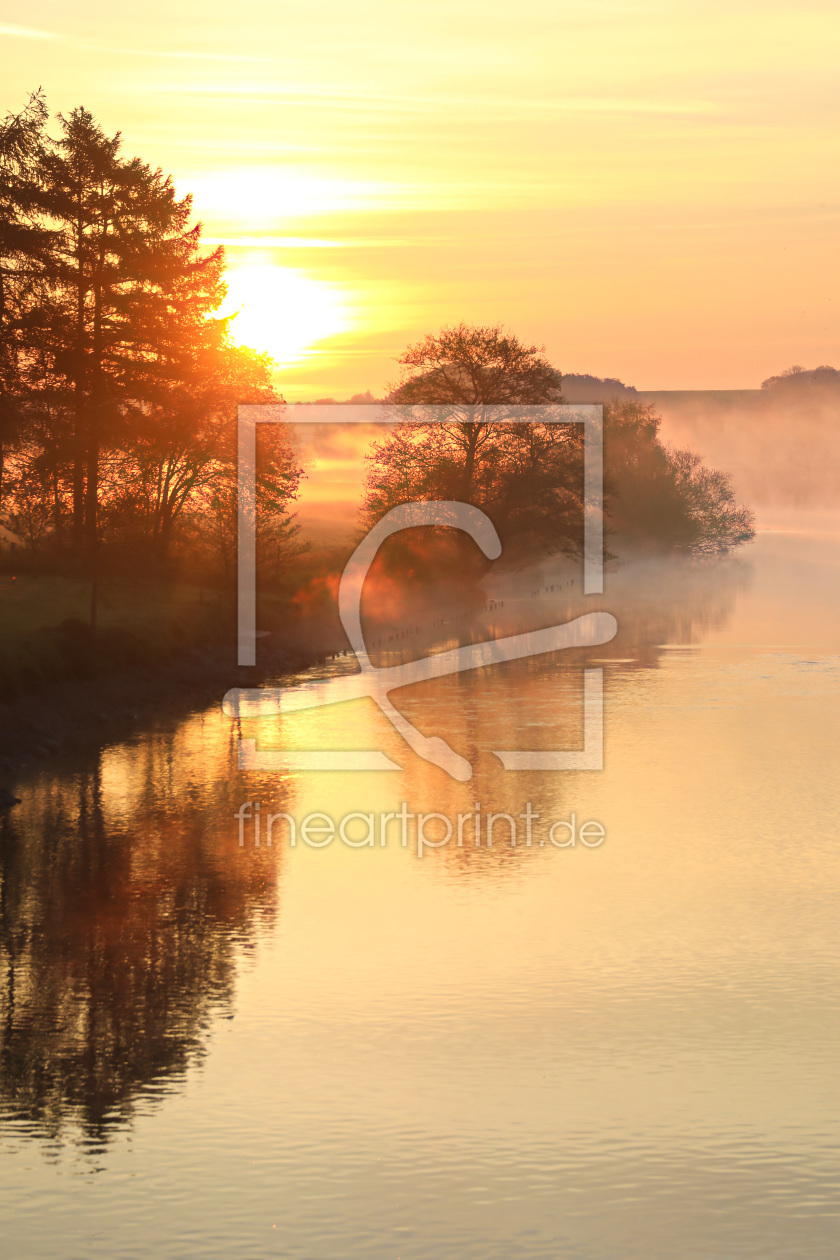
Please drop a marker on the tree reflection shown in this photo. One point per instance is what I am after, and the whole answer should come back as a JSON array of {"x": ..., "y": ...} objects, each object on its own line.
[
  {"x": 123, "y": 915},
  {"x": 537, "y": 702},
  {"x": 126, "y": 904}
]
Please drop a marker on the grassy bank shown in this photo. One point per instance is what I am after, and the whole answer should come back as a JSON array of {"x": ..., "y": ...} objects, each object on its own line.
[
  {"x": 159, "y": 650},
  {"x": 30, "y": 601},
  {"x": 46, "y": 635}
]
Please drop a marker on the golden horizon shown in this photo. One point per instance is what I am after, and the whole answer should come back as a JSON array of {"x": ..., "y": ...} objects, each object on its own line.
[{"x": 646, "y": 190}]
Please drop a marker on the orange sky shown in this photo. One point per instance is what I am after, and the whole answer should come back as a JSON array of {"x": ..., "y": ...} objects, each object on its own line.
[{"x": 648, "y": 189}]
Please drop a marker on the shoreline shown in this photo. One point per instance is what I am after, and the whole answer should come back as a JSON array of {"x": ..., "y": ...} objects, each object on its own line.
[{"x": 77, "y": 715}]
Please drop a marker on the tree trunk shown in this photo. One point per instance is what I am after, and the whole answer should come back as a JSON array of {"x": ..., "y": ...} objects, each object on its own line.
[
  {"x": 79, "y": 392},
  {"x": 94, "y": 425},
  {"x": 472, "y": 429}
]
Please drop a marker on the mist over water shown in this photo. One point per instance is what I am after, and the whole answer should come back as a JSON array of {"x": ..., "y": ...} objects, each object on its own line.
[
  {"x": 499, "y": 1050},
  {"x": 487, "y": 1051},
  {"x": 783, "y": 453}
]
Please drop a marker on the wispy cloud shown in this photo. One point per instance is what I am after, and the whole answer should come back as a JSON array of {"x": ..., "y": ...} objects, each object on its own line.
[
  {"x": 26, "y": 32},
  {"x": 627, "y": 105},
  {"x": 274, "y": 242},
  {"x": 312, "y": 242},
  {"x": 360, "y": 98}
]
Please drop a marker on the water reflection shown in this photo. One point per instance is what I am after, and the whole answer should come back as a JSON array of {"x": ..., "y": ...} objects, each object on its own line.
[
  {"x": 533, "y": 703},
  {"x": 126, "y": 905},
  {"x": 124, "y": 912},
  {"x": 489, "y": 1053}
]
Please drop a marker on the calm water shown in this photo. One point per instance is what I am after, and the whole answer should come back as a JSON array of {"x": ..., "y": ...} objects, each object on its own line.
[{"x": 624, "y": 1051}]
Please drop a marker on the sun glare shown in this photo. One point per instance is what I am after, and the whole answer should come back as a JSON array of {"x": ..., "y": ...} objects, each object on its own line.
[
  {"x": 283, "y": 312},
  {"x": 259, "y": 196}
]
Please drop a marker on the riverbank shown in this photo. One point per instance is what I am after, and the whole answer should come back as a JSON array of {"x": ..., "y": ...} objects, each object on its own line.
[
  {"x": 77, "y": 714},
  {"x": 46, "y": 636}
]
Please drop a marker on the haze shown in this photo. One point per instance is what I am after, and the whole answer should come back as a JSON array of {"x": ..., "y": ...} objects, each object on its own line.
[{"x": 647, "y": 189}]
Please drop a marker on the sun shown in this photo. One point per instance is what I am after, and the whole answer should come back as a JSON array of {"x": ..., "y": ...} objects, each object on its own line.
[{"x": 283, "y": 312}]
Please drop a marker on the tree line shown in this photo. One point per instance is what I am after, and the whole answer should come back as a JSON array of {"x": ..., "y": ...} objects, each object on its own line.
[{"x": 119, "y": 383}]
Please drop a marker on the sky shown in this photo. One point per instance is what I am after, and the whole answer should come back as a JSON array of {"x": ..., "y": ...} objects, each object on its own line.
[{"x": 649, "y": 190}]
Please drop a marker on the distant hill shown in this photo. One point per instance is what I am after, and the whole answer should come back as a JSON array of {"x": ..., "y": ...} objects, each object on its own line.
[
  {"x": 780, "y": 444},
  {"x": 579, "y": 387},
  {"x": 797, "y": 380}
]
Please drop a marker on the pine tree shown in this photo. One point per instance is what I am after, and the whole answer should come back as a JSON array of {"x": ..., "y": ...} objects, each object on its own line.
[
  {"x": 132, "y": 288},
  {"x": 24, "y": 245},
  {"x": 112, "y": 351}
]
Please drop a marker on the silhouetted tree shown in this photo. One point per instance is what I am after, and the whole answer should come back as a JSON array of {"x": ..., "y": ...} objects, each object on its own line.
[
  {"x": 112, "y": 351},
  {"x": 663, "y": 498},
  {"x": 24, "y": 243},
  {"x": 130, "y": 286},
  {"x": 469, "y": 390},
  {"x": 476, "y": 434}
]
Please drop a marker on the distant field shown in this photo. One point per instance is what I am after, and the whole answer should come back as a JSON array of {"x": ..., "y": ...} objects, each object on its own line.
[
  {"x": 45, "y": 634},
  {"x": 32, "y": 602}
]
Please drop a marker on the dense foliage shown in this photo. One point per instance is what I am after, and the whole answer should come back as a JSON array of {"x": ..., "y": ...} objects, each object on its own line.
[
  {"x": 118, "y": 380},
  {"x": 477, "y": 431}
]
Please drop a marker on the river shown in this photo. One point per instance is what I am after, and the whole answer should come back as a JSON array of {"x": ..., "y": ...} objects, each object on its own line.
[{"x": 615, "y": 1049}]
